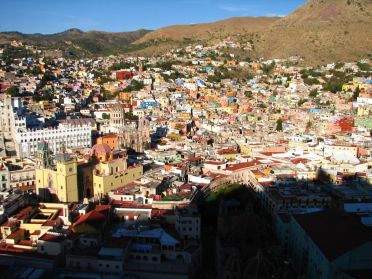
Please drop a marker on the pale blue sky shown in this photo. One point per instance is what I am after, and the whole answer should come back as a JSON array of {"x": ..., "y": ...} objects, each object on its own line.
[{"x": 51, "y": 16}]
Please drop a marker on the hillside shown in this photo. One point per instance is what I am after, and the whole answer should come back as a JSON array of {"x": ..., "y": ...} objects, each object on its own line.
[
  {"x": 321, "y": 31},
  {"x": 210, "y": 31},
  {"x": 75, "y": 40}
]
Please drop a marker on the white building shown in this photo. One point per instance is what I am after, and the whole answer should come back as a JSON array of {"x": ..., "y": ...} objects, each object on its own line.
[
  {"x": 188, "y": 223},
  {"x": 66, "y": 135}
]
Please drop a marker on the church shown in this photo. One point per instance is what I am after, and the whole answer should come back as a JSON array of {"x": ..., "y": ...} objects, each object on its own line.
[
  {"x": 67, "y": 179},
  {"x": 129, "y": 133}
]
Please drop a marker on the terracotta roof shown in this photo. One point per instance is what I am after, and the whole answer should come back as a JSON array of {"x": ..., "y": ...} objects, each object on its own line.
[
  {"x": 24, "y": 213},
  {"x": 193, "y": 159},
  {"x": 238, "y": 166},
  {"x": 216, "y": 163},
  {"x": 103, "y": 208},
  {"x": 299, "y": 160},
  {"x": 93, "y": 218},
  {"x": 162, "y": 212},
  {"x": 25, "y": 242},
  {"x": 110, "y": 136},
  {"x": 52, "y": 238},
  {"x": 126, "y": 204},
  {"x": 15, "y": 234},
  {"x": 100, "y": 149},
  {"x": 226, "y": 151},
  {"x": 50, "y": 223}
]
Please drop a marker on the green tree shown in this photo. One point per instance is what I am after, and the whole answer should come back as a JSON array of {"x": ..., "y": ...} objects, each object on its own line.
[
  {"x": 134, "y": 86},
  {"x": 267, "y": 69},
  {"x": 121, "y": 65},
  {"x": 333, "y": 85},
  {"x": 355, "y": 94},
  {"x": 12, "y": 91},
  {"x": 313, "y": 93},
  {"x": 130, "y": 116},
  {"x": 311, "y": 81},
  {"x": 301, "y": 102},
  {"x": 105, "y": 116},
  {"x": 364, "y": 67},
  {"x": 248, "y": 94},
  {"x": 339, "y": 65},
  {"x": 167, "y": 65},
  {"x": 279, "y": 124}
]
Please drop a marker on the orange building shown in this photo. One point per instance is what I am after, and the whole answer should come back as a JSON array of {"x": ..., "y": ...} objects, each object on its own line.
[
  {"x": 125, "y": 96},
  {"x": 111, "y": 140}
]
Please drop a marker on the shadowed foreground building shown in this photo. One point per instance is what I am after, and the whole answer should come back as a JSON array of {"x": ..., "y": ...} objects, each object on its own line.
[{"x": 328, "y": 244}]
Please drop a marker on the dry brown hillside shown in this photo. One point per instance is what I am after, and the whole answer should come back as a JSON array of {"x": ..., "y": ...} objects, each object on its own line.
[
  {"x": 210, "y": 31},
  {"x": 321, "y": 31}
]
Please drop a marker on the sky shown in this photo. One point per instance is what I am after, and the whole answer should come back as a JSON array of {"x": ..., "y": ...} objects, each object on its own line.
[{"x": 52, "y": 16}]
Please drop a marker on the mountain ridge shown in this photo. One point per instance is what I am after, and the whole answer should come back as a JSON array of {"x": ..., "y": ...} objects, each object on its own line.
[{"x": 320, "y": 31}]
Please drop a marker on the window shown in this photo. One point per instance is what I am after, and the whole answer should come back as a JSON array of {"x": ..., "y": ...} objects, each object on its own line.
[{"x": 42, "y": 247}]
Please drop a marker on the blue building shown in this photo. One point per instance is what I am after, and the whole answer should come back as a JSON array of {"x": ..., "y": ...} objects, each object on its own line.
[{"x": 149, "y": 104}]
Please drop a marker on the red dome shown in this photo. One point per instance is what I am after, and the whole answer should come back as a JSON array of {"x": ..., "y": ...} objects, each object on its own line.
[{"x": 100, "y": 150}]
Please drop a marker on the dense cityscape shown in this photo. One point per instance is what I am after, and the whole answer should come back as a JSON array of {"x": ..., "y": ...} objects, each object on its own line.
[{"x": 201, "y": 162}]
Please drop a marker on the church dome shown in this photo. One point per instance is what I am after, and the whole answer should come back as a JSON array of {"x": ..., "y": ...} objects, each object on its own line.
[{"x": 100, "y": 151}]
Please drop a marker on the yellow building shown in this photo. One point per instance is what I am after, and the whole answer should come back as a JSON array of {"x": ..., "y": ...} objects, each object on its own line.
[
  {"x": 363, "y": 111},
  {"x": 111, "y": 173},
  {"x": 58, "y": 184},
  {"x": 245, "y": 150},
  {"x": 36, "y": 219}
]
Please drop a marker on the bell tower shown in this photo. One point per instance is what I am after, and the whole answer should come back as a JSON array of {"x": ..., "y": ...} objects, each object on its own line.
[{"x": 43, "y": 158}]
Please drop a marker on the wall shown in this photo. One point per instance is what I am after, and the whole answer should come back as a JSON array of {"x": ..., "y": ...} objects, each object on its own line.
[
  {"x": 106, "y": 183},
  {"x": 61, "y": 182}
]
